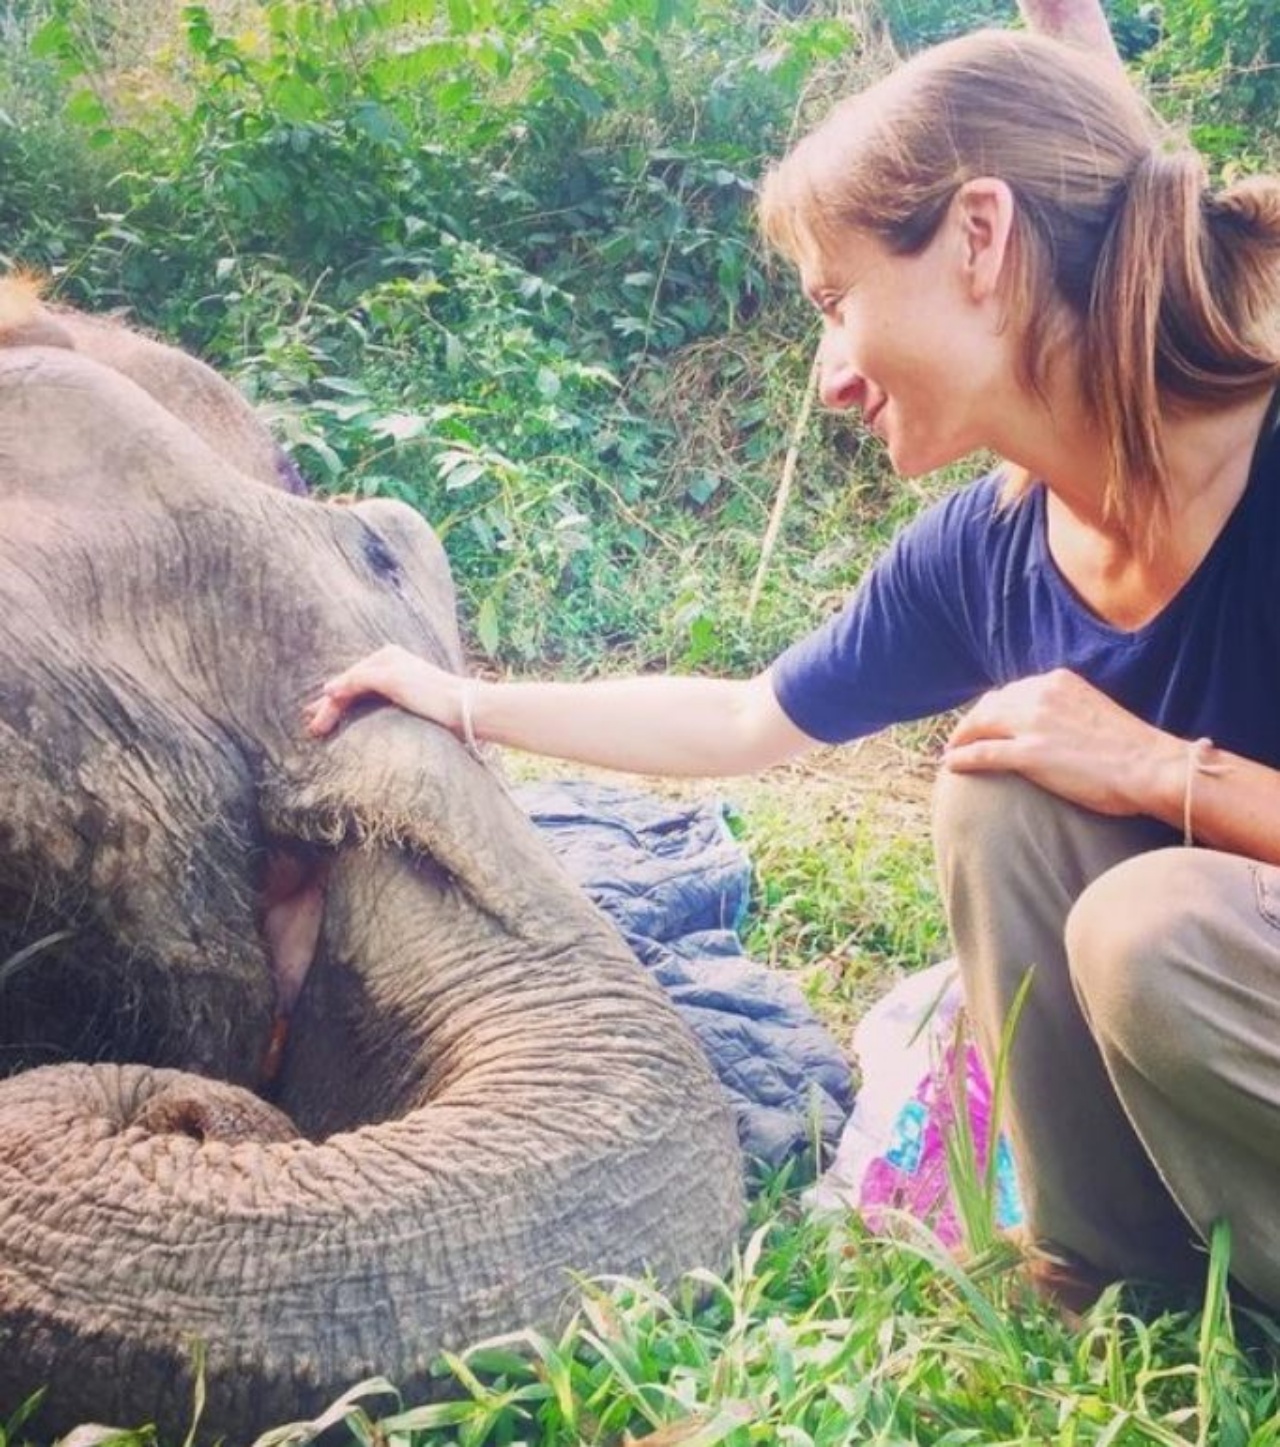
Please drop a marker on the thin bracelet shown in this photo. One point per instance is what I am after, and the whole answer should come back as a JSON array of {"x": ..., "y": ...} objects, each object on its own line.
[
  {"x": 1197, "y": 763},
  {"x": 466, "y": 703}
]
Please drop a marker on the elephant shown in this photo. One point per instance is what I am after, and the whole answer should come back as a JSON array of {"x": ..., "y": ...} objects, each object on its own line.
[{"x": 315, "y": 1063}]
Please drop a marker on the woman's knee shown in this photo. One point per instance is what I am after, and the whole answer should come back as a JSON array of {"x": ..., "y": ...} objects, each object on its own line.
[
  {"x": 982, "y": 816},
  {"x": 1129, "y": 937}
]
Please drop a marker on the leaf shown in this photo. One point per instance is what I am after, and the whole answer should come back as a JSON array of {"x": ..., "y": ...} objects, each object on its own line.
[
  {"x": 460, "y": 469},
  {"x": 343, "y": 385},
  {"x": 22, "y": 1413},
  {"x": 85, "y": 109},
  {"x": 400, "y": 426},
  {"x": 706, "y": 1429},
  {"x": 345, "y": 1406},
  {"x": 703, "y": 488},
  {"x": 487, "y": 629},
  {"x": 51, "y": 39},
  {"x": 665, "y": 12},
  {"x": 374, "y": 121},
  {"x": 315, "y": 443},
  {"x": 430, "y": 1416},
  {"x": 95, "y": 1434}
]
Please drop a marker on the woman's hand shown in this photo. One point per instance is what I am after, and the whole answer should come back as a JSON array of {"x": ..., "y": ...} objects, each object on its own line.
[
  {"x": 400, "y": 677},
  {"x": 1063, "y": 734}
]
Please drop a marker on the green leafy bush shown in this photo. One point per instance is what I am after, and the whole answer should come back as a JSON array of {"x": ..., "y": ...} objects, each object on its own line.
[
  {"x": 454, "y": 250},
  {"x": 499, "y": 260},
  {"x": 1218, "y": 66}
]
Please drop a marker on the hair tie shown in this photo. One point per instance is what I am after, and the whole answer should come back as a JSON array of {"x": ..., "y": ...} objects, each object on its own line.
[
  {"x": 1198, "y": 751},
  {"x": 466, "y": 710}
]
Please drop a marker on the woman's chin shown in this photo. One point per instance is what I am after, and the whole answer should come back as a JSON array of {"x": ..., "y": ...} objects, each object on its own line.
[
  {"x": 909, "y": 461},
  {"x": 917, "y": 459}
]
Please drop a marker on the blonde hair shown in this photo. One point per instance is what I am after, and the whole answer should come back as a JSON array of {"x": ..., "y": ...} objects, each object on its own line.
[{"x": 1168, "y": 292}]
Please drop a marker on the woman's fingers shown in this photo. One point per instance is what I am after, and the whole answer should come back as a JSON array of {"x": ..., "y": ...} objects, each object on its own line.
[{"x": 392, "y": 673}]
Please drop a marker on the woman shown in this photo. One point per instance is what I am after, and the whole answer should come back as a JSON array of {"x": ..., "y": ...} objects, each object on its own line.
[{"x": 1008, "y": 252}]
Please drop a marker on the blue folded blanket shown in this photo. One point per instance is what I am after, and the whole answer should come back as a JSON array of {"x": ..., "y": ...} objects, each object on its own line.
[{"x": 675, "y": 882}]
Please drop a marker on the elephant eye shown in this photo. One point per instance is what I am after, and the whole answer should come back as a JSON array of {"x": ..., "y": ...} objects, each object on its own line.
[{"x": 379, "y": 556}]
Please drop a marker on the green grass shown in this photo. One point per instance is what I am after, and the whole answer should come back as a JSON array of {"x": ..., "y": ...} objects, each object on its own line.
[
  {"x": 823, "y": 1335},
  {"x": 843, "y": 892}
]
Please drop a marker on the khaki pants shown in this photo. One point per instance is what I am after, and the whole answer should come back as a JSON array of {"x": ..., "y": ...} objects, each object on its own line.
[{"x": 1143, "y": 1098}]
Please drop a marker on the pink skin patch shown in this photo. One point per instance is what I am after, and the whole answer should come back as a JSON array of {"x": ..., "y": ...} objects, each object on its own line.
[{"x": 292, "y": 912}]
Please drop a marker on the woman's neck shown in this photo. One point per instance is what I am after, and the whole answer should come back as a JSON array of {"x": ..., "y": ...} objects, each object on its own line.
[
  {"x": 1207, "y": 453},
  {"x": 1128, "y": 581}
]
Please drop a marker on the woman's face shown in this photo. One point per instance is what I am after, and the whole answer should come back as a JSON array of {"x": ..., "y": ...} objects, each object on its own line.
[{"x": 909, "y": 342}]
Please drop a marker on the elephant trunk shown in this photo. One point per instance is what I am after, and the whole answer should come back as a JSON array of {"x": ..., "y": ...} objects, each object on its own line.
[{"x": 551, "y": 1115}]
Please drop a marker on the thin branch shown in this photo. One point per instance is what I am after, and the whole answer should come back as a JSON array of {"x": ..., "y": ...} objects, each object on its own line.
[{"x": 784, "y": 488}]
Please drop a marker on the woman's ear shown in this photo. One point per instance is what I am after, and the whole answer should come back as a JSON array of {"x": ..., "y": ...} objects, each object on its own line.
[{"x": 982, "y": 210}]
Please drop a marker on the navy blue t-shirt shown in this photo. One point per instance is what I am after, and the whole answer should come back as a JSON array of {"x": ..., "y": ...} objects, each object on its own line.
[{"x": 968, "y": 598}]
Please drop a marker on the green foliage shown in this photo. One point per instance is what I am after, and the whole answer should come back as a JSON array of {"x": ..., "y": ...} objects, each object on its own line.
[
  {"x": 452, "y": 248},
  {"x": 48, "y": 178},
  {"x": 916, "y": 23},
  {"x": 11, "y": 1430},
  {"x": 1218, "y": 66},
  {"x": 838, "y": 885},
  {"x": 499, "y": 260}
]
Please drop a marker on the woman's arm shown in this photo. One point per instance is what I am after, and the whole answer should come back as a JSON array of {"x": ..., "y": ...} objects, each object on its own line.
[{"x": 694, "y": 727}]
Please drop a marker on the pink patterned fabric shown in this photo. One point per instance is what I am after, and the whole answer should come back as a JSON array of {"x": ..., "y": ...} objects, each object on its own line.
[{"x": 912, "y": 1174}]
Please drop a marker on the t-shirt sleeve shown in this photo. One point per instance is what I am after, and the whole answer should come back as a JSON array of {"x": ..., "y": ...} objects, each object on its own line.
[{"x": 910, "y": 642}]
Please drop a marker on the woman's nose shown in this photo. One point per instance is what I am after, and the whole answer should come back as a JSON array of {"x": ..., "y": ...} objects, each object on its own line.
[{"x": 840, "y": 384}]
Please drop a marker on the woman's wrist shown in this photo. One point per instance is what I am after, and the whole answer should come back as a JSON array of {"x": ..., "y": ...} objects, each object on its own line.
[{"x": 1160, "y": 784}]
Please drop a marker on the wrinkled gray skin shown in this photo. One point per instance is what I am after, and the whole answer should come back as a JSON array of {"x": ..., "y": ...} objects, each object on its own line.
[{"x": 483, "y": 1091}]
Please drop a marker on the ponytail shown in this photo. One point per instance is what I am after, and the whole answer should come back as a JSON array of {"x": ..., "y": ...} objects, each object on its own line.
[{"x": 1181, "y": 312}]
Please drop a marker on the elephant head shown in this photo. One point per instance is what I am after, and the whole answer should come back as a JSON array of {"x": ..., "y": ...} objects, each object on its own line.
[{"x": 479, "y": 1091}]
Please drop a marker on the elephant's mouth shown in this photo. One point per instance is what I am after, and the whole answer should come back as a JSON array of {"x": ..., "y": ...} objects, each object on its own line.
[{"x": 290, "y": 914}]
